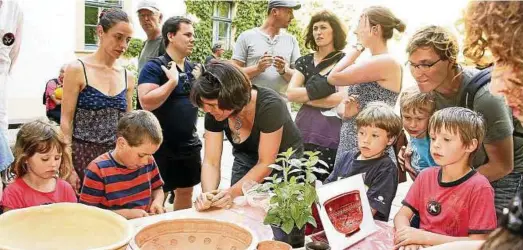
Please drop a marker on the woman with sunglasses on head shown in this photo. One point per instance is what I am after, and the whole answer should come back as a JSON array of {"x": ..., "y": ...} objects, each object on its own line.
[
  {"x": 376, "y": 79},
  {"x": 326, "y": 36},
  {"x": 432, "y": 54},
  {"x": 97, "y": 92},
  {"x": 256, "y": 122}
]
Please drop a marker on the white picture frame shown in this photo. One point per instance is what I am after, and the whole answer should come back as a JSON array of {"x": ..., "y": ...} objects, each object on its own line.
[{"x": 336, "y": 239}]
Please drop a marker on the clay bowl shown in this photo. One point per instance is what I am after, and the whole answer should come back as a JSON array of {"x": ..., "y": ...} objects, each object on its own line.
[
  {"x": 273, "y": 245},
  {"x": 68, "y": 226},
  {"x": 193, "y": 234},
  {"x": 345, "y": 212}
]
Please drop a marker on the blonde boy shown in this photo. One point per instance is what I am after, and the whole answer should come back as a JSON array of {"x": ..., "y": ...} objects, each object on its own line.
[
  {"x": 454, "y": 202},
  {"x": 378, "y": 127},
  {"x": 416, "y": 109}
]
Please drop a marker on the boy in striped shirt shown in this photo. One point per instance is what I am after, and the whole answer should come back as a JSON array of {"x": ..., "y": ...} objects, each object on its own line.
[{"x": 126, "y": 180}]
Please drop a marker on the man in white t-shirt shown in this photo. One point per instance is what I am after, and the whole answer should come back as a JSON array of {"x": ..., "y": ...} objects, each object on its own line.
[
  {"x": 11, "y": 36},
  {"x": 267, "y": 54}
]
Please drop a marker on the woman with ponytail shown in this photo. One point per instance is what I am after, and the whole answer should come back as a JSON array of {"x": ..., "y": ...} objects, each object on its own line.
[{"x": 97, "y": 92}]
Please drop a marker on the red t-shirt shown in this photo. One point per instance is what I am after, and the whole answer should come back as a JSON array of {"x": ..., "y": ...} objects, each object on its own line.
[
  {"x": 20, "y": 195},
  {"x": 458, "y": 208}
]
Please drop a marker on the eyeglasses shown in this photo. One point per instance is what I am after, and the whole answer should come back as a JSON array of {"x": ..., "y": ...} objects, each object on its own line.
[{"x": 422, "y": 66}]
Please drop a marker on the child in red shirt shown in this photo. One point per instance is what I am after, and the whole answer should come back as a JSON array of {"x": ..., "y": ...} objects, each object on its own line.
[
  {"x": 42, "y": 158},
  {"x": 454, "y": 202}
]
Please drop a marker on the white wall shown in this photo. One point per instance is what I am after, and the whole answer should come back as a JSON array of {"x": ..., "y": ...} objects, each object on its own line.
[{"x": 48, "y": 41}]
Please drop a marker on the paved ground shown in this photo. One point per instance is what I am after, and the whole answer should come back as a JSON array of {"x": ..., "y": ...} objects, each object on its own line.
[{"x": 227, "y": 161}]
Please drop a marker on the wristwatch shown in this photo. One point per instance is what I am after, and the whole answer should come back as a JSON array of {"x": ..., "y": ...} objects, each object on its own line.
[{"x": 359, "y": 47}]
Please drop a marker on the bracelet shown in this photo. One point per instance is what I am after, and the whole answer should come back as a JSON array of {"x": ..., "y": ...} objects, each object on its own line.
[{"x": 282, "y": 73}]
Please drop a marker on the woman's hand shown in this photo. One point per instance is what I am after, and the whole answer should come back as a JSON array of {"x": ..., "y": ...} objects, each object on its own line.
[
  {"x": 203, "y": 201},
  {"x": 222, "y": 200},
  {"x": 352, "y": 107},
  {"x": 197, "y": 71}
]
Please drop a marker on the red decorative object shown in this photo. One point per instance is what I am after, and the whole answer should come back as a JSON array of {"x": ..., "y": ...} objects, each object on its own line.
[{"x": 345, "y": 212}]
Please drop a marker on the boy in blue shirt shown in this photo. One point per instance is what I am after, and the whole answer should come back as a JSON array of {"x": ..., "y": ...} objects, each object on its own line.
[
  {"x": 416, "y": 109},
  {"x": 378, "y": 126}
]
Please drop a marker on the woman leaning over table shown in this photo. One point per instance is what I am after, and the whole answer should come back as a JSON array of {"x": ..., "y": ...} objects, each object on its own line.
[{"x": 256, "y": 122}]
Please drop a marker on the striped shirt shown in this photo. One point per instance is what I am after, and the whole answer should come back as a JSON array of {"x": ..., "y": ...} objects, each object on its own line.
[{"x": 110, "y": 185}]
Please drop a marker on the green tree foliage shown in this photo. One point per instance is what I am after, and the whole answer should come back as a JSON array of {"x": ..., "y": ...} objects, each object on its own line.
[
  {"x": 135, "y": 46},
  {"x": 203, "y": 10}
]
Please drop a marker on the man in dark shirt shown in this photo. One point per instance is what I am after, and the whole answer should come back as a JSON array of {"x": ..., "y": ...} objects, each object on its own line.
[
  {"x": 217, "y": 52},
  {"x": 164, "y": 86}
]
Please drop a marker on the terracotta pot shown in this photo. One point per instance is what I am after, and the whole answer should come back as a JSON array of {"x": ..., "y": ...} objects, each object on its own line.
[
  {"x": 63, "y": 226},
  {"x": 193, "y": 234},
  {"x": 273, "y": 245},
  {"x": 345, "y": 212},
  {"x": 296, "y": 238}
]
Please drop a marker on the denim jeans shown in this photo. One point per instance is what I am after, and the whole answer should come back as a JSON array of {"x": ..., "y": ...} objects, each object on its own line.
[{"x": 505, "y": 189}]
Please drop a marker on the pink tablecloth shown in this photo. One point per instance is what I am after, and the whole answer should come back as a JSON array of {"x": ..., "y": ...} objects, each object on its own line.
[
  {"x": 252, "y": 218},
  {"x": 383, "y": 239}
]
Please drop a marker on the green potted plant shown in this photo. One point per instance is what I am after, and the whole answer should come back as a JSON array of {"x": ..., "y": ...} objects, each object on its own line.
[{"x": 293, "y": 194}]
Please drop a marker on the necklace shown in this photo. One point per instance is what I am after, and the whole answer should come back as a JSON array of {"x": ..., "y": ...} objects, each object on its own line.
[{"x": 236, "y": 133}]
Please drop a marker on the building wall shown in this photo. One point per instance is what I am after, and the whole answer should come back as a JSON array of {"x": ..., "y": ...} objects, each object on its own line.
[{"x": 53, "y": 33}]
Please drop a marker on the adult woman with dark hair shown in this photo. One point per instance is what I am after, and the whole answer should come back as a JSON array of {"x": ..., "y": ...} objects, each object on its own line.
[
  {"x": 376, "y": 79},
  {"x": 97, "y": 92},
  {"x": 256, "y": 122},
  {"x": 326, "y": 36}
]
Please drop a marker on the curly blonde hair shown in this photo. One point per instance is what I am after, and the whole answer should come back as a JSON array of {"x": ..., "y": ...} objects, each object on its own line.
[
  {"x": 40, "y": 137},
  {"x": 495, "y": 26}
]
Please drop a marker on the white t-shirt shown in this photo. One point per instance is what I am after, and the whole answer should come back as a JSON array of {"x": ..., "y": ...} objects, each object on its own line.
[
  {"x": 10, "y": 27},
  {"x": 253, "y": 43}
]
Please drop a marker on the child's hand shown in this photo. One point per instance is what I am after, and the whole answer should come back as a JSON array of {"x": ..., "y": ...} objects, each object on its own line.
[
  {"x": 157, "y": 207},
  {"x": 136, "y": 213},
  {"x": 401, "y": 158},
  {"x": 409, "y": 236}
]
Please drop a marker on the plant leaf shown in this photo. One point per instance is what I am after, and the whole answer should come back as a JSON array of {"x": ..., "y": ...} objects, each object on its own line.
[
  {"x": 312, "y": 221},
  {"x": 287, "y": 226},
  {"x": 320, "y": 170},
  {"x": 295, "y": 171},
  {"x": 276, "y": 166},
  {"x": 322, "y": 162}
]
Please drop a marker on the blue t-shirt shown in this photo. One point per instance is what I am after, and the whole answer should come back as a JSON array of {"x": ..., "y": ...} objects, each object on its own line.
[
  {"x": 380, "y": 176},
  {"x": 177, "y": 115},
  {"x": 421, "y": 158}
]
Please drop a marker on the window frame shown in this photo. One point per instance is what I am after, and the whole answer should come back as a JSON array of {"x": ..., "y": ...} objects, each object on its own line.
[
  {"x": 216, "y": 20},
  {"x": 100, "y": 4}
]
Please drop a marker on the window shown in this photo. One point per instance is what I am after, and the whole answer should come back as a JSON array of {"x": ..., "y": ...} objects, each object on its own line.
[
  {"x": 222, "y": 23},
  {"x": 93, "y": 8}
]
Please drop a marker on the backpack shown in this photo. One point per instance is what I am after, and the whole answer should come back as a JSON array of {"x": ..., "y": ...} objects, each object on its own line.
[
  {"x": 477, "y": 82},
  {"x": 44, "y": 97},
  {"x": 161, "y": 52}
]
